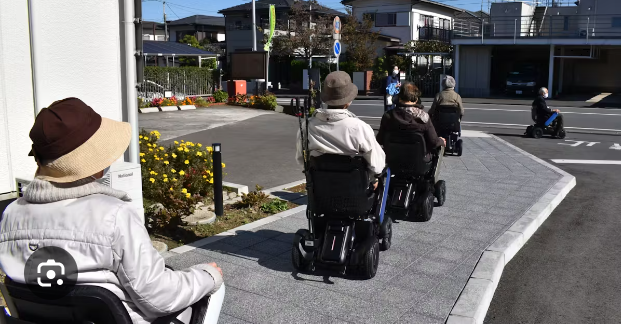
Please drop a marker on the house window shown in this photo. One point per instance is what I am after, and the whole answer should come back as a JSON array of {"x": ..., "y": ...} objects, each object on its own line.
[
  {"x": 616, "y": 22},
  {"x": 426, "y": 20},
  {"x": 566, "y": 23},
  {"x": 385, "y": 19},
  {"x": 445, "y": 23}
]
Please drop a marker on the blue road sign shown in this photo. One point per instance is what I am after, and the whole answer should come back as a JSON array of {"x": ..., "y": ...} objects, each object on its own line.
[{"x": 337, "y": 48}]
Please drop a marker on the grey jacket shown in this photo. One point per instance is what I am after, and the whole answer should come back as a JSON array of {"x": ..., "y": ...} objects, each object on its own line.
[{"x": 109, "y": 243}]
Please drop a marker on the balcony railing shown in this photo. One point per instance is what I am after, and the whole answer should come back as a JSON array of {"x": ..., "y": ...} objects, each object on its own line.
[
  {"x": 434, "y": 34},
  {"x": 544, "y": 26}
]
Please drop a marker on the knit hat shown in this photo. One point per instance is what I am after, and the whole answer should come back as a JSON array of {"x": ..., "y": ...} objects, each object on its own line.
[
  {"x": 70, "y": 141},
  {"x": 338, "y": 89},
  {"x": 448, "y": 82}
]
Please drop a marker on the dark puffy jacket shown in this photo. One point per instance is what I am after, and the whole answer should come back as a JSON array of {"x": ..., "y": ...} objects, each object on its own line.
[
  {"x": 400, "y": 119},
  {"x": 541, "y": 108}
]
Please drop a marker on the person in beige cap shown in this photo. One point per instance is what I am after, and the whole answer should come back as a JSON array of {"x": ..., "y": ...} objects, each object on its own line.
[
  {"x": 336, "y": 130},
  {"x": 66, "y": 207}
]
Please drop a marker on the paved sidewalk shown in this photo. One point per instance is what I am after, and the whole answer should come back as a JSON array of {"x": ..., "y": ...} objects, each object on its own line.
[{"x": 419, "y": 278}]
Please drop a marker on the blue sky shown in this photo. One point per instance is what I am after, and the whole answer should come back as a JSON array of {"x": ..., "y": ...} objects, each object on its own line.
[{"x": 152, "y": 9}]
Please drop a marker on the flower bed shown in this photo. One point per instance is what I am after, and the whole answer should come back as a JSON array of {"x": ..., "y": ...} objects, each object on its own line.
[
  {"x": 179, "y": 178},
  {"x": 172, "y": 103},
  {"x": 266, "y": 101}
]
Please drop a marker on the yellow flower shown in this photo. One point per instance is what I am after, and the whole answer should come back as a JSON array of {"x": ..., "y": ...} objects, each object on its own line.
[
  {"x": 199, "y": 145},
  {"x": 211, "y": 180},
  {"x": 204, "y": 177},
  {"x": 187, "y": 195},
  {"x": 165, "y": 176},
  {"x": 173, "y": 170},
  {"x": 152, "y": 180},
  {"x": 187, "y": 150},
  {"x": 143, "y": 161},
  {"x": 174, "y": 155},
  {"x": 180, "y": 149},
  {"x": 152, "y": 172},
  {"x": 174, "y": 179},
  {"x": 210, "y": 149},
  {"x": 182, "y": 140},
  {"x": 176, "y": 142},
  {"x": 161, "y": 148},
  {"x": 165, "y": 179},
  {"x": 166, "y": 162},
  {"x": 141, "y": 154},
  {"x": 186, "y": 162},
  {"x": 140, "y": 136},
  {"x": 199, "y": 153},
  {"x": 139, "y": 142},
  {"x": 184, "y": 190},
  {"x": 150, "y": 149},
  {"x": 166, "y": 155},
  {"x": 171, "y": 188},
  {"x": 181, "y": 172},
  {"x": 223, "y": 165}
]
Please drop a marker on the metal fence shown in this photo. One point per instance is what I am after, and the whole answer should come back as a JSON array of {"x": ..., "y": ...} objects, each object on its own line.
[
  {"x": 540, "y": 26},
  {"x": 180, "y": 81}
]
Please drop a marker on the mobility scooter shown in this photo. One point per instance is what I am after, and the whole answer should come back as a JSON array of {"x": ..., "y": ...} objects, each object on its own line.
[
  {"x": 447, "y": 122},
  {"x": 413, "y": 186},
  {"x": 537, "y": 130},
  {"x": 345, "y": 216}
]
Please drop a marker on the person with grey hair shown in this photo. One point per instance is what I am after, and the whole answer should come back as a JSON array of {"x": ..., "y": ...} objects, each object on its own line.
[
  {"x": 447, "y": 96},
  {"x": 544, "y": 112}
]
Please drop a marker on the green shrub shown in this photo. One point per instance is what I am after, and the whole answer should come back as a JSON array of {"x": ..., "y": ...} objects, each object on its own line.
[
  {"x": 252, "y": 199},
  {"x": 265, "y": 102},
  {"x": 274, "y": 206},
  {"x": 220, "y": 96}
]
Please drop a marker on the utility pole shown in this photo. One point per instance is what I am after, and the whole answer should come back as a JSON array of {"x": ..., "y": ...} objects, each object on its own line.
[{"x": 165, "y": 25}]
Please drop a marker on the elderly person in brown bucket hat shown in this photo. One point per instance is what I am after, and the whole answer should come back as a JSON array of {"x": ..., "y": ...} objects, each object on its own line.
[
  {"x": 336, "y": 130},
  {"x": 66, "y": 207}
]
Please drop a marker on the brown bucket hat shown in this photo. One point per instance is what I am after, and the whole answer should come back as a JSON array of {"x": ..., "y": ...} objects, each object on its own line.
[
  {"x": 70, "y": 141},
  {"x": 338, "y": 89}
]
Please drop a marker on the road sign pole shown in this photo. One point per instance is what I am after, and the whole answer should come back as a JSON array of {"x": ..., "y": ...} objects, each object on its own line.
[{"x": 336, "y": 35}]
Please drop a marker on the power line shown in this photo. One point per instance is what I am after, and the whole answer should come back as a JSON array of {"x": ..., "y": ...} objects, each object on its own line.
[{"x": 173, "y": 11}]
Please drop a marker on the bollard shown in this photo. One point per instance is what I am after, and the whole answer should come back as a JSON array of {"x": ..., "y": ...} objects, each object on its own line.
[
  {"x": 297, "y": 102},
  {"x": 217, "y": 179}
]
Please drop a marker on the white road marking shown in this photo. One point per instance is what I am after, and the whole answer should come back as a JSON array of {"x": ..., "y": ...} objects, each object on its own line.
[
  {"x": 580, "y": 142},
  {"x": 520, "y": 125},
  {"x": 602, "y": 162},
  {"x": 616, "y": 146},
  {"x": 598, "y": 98}
]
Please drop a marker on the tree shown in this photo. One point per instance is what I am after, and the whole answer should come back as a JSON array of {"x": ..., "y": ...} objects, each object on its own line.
[
  {"x": 193, "y": 42},
  {"x": 307, "y": 32},
  {"x": 360, "y": 39}
]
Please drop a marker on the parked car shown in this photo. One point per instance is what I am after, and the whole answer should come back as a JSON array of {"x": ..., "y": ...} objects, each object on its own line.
[{"x": 523, "y": 79}]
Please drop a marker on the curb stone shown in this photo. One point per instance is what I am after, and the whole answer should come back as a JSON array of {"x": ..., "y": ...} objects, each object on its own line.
[{"x": 474, "y": 301}]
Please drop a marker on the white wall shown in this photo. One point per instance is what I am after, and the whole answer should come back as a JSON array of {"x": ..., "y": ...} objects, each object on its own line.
[
  {"x": 361, "y": 7},
  {"x": 16, "y": 102},
  {"x": 73, "y": 58}
]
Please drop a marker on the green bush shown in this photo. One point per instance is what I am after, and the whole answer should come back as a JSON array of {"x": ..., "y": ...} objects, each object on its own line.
[
  {"x": 252, "y": 199},
  {"x": 220, "y": 96},
  {"x": 266, "y": 102},
  {"x": 274, "y": 206}
]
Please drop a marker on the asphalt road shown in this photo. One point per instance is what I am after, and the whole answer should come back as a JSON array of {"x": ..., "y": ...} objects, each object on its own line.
[
  {"x": 582, "y": 120},
  {"x": 568, "y": 271}
]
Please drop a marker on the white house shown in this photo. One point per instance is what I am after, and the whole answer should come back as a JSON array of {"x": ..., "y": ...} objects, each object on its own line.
[
  {"x": 408, "y": 20},
  {"x": 48, "y": 52}
]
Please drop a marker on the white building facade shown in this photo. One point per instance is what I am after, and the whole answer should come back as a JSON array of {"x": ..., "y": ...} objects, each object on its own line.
[{"x": 48, "y": 52}]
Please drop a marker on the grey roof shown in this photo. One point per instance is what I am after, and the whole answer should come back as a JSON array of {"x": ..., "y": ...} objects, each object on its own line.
[
  {"x": 199, "y": 20},
  {"x": 474, "y": 14},
  {"x": 173, "y": 48},
  {"x": 279, "y": 4},
  {"x": 414, "y": 2}
]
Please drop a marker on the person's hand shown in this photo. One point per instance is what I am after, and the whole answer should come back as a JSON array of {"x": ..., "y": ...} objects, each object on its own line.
[
  {"x": 444, "y": 141},
  {"x": 375, "y": 185},
  {"x": 557, "y": 111},
  {"x": 398, "y": 84},
  {"x": 216, "y": 266}
]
